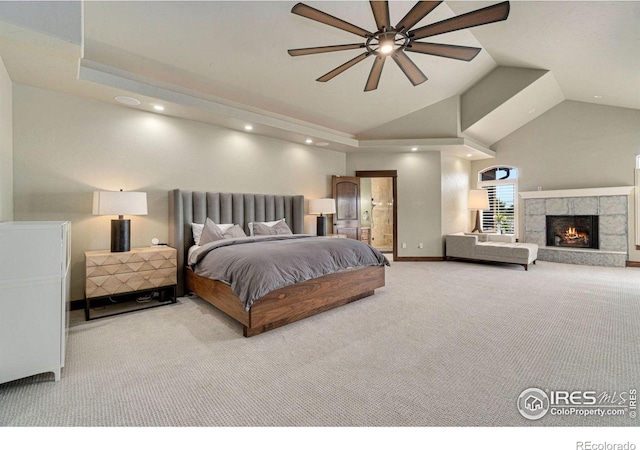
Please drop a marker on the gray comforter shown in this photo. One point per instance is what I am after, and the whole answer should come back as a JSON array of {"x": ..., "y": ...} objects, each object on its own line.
[{"x": 254, "y": 266}]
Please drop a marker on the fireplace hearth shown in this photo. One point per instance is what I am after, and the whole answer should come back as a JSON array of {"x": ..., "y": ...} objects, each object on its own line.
[{"x": 572, "y": 231}]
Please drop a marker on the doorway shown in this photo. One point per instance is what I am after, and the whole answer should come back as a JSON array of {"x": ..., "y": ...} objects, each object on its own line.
[
  {"x": 378, "y": 205},
  {"x": 377, "y": 212}
]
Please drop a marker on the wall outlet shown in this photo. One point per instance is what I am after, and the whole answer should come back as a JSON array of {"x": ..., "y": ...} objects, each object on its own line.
[
  {"x": 420, "y": 245},
  {"x": 404, "y": 245}
]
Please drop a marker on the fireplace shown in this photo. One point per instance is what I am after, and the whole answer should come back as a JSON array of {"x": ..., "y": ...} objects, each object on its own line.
[
  {"x": 611, "y": 205},
  {"x": 572, "y": 231}
]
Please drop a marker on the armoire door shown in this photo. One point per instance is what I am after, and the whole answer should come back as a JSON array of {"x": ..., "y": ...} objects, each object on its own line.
[{"x": 346, "y": 192}]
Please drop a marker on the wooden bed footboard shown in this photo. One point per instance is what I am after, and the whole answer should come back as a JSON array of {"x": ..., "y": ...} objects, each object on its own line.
[{"x": 291, "y": 303}]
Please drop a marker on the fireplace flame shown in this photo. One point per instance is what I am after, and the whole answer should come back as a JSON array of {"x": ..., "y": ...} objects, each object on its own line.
[{"x": 572, "y": 235}]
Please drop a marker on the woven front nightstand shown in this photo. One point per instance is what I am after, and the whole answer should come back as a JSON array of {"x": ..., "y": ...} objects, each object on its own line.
[{"x": 118, "y": 282}]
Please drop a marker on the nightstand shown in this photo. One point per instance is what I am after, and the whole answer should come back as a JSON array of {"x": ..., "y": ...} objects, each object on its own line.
[{"x": 119, "y": 282}]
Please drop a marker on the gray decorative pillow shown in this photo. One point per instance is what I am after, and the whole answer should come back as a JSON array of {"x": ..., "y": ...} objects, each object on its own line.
[
  {"x": 260, "y": 229},
  {"x": 269, "y": 224},
  {"x": 198, "y": 227},
  {"x": 234, "y": 232},
  {"x": 210, "y": 232}
]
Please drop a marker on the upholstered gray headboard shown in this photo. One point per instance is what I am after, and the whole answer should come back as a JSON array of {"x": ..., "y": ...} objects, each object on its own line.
[{"x": 187, "y": 207}]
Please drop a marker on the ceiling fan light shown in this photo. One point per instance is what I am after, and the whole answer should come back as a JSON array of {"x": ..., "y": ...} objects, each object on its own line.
[{"x": 386, "y": 47}]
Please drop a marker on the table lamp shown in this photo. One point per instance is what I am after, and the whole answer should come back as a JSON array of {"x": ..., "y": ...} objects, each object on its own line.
[
  {"x": 107, "y": 203},
  {"x": 322, "y": 206},
  {"x": 478, "y": 200}
]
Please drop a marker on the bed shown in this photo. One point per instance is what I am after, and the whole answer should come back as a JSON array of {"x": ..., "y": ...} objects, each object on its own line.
[{"x": 277, "y": 307}]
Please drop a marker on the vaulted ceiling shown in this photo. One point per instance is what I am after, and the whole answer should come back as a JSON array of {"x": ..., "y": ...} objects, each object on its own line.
[{"x": 226, "y": 63}]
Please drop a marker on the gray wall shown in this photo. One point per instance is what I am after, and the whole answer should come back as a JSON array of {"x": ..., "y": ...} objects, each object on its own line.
[
  {"x": 574, "y": 145},
  {"x": 6, "y": 146},
  {"x": 419, "y": 199},
  {"x": 455, "y": 189},
  {"x": 65, "y": 147}
]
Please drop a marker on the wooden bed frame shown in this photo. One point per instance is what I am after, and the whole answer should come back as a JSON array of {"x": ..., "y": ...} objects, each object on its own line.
[{"x": 281, "y": 306}]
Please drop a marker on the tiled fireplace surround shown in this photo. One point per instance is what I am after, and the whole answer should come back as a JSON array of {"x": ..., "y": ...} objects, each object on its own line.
[{"x": 610, "y": 204}]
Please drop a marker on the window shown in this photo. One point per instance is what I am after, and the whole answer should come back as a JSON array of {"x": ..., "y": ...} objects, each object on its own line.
[{"x": 502, "y": 184}]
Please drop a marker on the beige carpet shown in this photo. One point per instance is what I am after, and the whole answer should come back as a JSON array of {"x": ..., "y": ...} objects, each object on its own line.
[{"x": 443, "y": 344}]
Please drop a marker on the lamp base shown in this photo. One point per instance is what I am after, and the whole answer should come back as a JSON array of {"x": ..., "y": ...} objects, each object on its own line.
[
  {"x": 120, "y": 235},
  {"x": 321, "y": 226},
  {"x": 478, "y": 226}
]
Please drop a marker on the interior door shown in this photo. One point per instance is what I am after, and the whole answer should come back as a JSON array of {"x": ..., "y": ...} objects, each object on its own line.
[{"x": 346, "y": 192}]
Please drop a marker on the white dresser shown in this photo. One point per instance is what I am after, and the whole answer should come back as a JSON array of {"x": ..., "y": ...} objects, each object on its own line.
[{"x": 34, "y": 297}]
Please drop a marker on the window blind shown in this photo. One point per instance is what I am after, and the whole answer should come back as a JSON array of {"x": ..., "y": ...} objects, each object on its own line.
[{"x": 502, "y": 208}]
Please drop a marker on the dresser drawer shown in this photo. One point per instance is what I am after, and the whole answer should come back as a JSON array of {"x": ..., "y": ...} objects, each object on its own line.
[{"x": 144, "y": 268}]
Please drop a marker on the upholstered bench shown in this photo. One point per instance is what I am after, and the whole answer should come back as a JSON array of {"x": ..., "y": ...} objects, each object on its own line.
[{"x": 496, "y": 248}]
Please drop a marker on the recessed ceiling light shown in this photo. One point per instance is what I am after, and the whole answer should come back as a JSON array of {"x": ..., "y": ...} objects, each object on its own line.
[
  {"x": 469, "y": 155},
  {"x": 413, "y": 149},
  {"x": 309, "y": 141},
  {"x": 597, "y": 96},
  {"x": 532, "y": 110},
  {"x": 322, "y": 144},
  {"x": 158, "y": 107},
  {"x": 248, "y": 127},
  {"x": 127, "y": 100}
]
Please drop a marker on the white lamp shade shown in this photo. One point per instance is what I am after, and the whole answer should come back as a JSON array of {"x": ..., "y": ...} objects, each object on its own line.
[
  {"x": 322, "y": 206},
  {"x": 478, "y": 199},
  {"x": 119, "y": 203}
]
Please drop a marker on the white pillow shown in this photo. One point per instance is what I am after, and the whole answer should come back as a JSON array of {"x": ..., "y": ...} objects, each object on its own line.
[
  {"x": 268, "y": 224},
  {"x": 198, "y": 227},
  {"x": 224, "y": 227}
]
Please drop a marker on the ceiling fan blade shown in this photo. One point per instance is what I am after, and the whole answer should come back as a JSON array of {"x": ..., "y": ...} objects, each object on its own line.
[
  {"x": 319, "y": 16},
  {"x": 409, "y": 68},
  {"x": 374, "y": 75},
  {"x": 445, "y": 50},
  {"x": 338, "y": 70},
  {"x": 490, "y": 14},
  {"x": 417, "y": 13},
  {"x": 381, "y": 14},
  {"x": 326, "y": 49}
]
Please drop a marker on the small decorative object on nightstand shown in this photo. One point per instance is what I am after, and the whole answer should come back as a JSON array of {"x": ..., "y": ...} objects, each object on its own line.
[
  {"x": 118, "y": 282},
  {"x": 334, "y": 236}
]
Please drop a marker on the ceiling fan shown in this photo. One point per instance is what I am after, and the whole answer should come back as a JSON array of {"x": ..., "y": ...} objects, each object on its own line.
[{"x": 396, "y": 41}]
